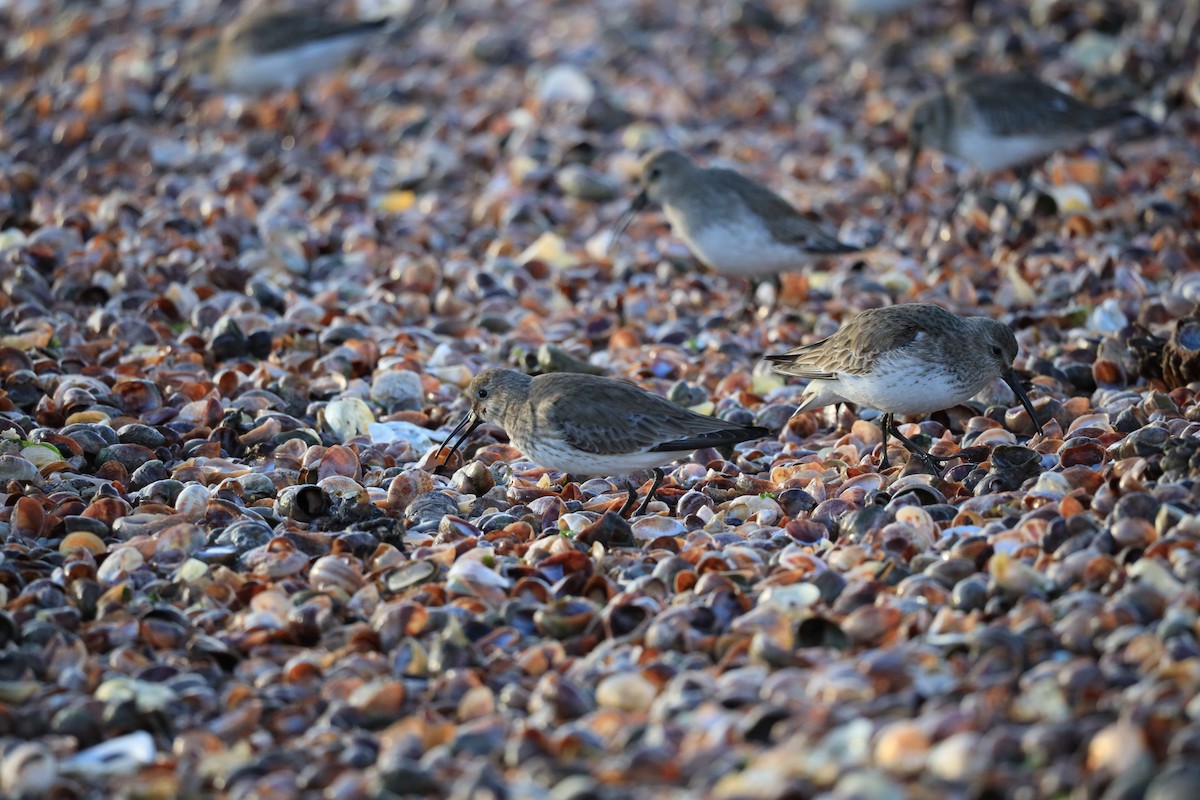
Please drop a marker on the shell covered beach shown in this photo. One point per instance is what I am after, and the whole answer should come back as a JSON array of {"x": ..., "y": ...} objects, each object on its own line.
[{"x": 234, "y": 329}]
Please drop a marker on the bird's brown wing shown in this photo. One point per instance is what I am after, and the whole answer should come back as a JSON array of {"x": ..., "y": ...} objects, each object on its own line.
[
  {"x": 1013, "y": 105},
  {"x": 612, "y": 418},
  {"x": 272, "y": 32},
  {"x": 858, "y": 344}
]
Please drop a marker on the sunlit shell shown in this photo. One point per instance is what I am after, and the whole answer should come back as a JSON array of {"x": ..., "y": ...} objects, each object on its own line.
[
  {"x": 85, "y": 539},
  {"x": 42, "y": 455},
  {"x": 276, "y": 559},
  {"x": 192, "y": 501},
  {"x": 119, "y": 564},
  {"x": 335, "y": 572},
  {"x": 341, "y": 487}
]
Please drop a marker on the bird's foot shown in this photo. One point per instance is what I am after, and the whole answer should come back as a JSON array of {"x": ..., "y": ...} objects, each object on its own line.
[{"x": 631, "y": 500}]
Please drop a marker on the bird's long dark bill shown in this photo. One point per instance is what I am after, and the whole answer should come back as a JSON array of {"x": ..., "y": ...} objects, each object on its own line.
[
  {"x": 641, "y": 201},
  {"x": 468, "y": 425},
  {"x": 1010, "y": 378}
]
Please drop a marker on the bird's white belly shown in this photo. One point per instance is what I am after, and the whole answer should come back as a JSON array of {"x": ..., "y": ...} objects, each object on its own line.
[
  {"x": 287, "y": 68},
  {"x": 991, "y": 153},
  {"x": 912, "y": 390},
  {"x": 738, "y": 246},
  {"x": 554, "y": 454}
]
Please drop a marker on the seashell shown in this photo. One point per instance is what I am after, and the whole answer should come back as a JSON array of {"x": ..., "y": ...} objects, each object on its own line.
[
  {"x": 278, "y": 558},
  {"x": 335, "y": 572},
  {"x": 405, "y": 487},
  {"x": 794, "y": 597},
  {"x": 135, "y": 525},
  {"x": 1017, "y": 577},
  {"x": 647, "y": 529},
  {"x": 192, "y": 501},
  {"x": 119, "y": 756},
  {"x": 27, "y": 518},
  {"x": 42, "y": 456},
  {"x": 339, "y": 461},
  {"x": 379, "y": 701},
  {"x": 478, "y": 702},
  {"x": 471, "y": 478},
  {"x": 871, "y": 625},
  {"x": 474, "y": 572},
  {"x": 21, "y": 470},
  {"x": 399, "y": 431},
  {"x": 1181, "y": 354},
  {"x": 409, "y": 575},
  {"x": 28, "y": 770},
  {"x": 902, "y": 747},
  {"x": 303, "y": 503},
  {"x": 347, "y": 418},
  {"x": 429, "y": 507},
  {"x": 1081, "y": 451},
  {"x": 566, "y": 617},
  {"x": 119, "y": 563},
  {"x": 762, "y": 509},
  {"x": 137, "y": 397},
  {"x": 993, "y": 437},
  {"x": 85, "y": 539},
  {"x": 245, "y": 534},
  {"x": 626, "y": 691},
  {"x": 398, "y": 390},
  {"x": 255, "y": 486}
]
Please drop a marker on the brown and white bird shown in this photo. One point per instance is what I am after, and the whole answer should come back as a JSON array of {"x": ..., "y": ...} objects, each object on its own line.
[
  {"x": 997, "y": 122},
  {"x": 730, "y": 223},
  {"x": 265, "y": 50},
  {"x": 589, "y": 425},
  {"x": 910, "y": 359}
]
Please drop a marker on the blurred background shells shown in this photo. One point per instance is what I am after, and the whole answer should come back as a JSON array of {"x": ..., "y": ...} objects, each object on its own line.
[{"x": 234, "y": 328}]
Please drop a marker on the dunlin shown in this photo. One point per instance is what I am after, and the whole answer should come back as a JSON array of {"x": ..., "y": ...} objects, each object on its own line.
[
  {"x": 588, "y": 425},
  {"x": 995, "y": 122},
  {"x": 730, "y": 223},
  {"x": 907, "y": 359},
  {"x": 266, "y": 50}
]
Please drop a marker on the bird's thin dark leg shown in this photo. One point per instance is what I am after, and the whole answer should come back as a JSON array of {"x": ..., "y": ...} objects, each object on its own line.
[
  {"x": 658, "y": 479},
  {"x": 886, "y": 424},
  {"x": 752, "y": 286},
  {"x": 630, "y": 501},
  {"x": 935, "y": 463},
  {"x": 751, "y": 298},
  {"x": 1021, "y": 186}
]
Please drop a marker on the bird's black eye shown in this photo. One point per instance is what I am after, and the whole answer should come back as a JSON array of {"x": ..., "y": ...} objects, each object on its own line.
[
  {"x": 481, "y": 394},
  {"x": 654, "y": 174},
  {"x": 996, "y": 351}
]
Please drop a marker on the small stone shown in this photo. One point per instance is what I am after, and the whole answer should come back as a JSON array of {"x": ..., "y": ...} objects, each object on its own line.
[
  {"x": 398, "y": 390},
  {"x": 130, "y": 456},
  {"x": 136, "y": 433}
]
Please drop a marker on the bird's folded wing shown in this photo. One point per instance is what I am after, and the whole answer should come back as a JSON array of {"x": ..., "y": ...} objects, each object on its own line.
[{"x": 610, "y": 431}]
